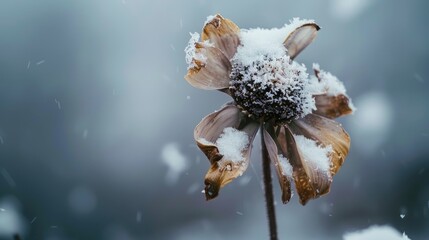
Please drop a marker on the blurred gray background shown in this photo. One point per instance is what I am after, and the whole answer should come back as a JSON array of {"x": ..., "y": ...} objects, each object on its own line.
[{"x": 96, "y": 121}]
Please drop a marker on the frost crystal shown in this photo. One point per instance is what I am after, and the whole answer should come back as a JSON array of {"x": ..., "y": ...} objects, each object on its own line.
[
  {"x": 286, "y": 168},
  {"x": 191, "y": 51},
  {"x": 209, "y": 19},
  {"x": 231, "y": 143},
  {"x": 265, "y": 82},
  {"x": 316, "y": 156}
]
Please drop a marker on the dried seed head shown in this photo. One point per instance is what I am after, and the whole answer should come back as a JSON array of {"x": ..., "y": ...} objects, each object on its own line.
[{"x": 273, "y": 88}]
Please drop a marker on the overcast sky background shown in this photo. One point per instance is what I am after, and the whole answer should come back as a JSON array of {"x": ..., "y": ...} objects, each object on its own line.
[{"x": 96, "y": 121}]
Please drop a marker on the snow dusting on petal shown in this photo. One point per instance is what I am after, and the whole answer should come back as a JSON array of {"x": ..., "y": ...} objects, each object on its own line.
[
  {"x": 192, "y": 54},
  {"x": 231, "y": 143},
  {"x": 190, "y": 48},
  {"x": 209, "y": 19},
  {"x": 329, "y": 83},
  {"x": 175, "y": 161},
  {"x": 376, "y": 233},
  {"x": 286, "y": 168},
  {"x": 315, "y": 155},
  {"x": 205, "y": 141}
]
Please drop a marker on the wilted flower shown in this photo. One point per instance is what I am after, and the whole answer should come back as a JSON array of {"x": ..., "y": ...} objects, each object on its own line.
[{"x": 256, "y": 68}]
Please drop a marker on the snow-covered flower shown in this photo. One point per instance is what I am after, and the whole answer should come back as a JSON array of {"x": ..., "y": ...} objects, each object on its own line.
[{"x": 256, "y": 68}]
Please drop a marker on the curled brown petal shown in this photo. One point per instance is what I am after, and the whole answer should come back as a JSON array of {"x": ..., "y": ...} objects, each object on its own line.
[
  {"x": 332, "y": 106},
  {"x": 300, "y": 38},
  {"x": 326, "y": 132},
  {"x": 223, "y": 170},
  {"x": 223, "y": 33},
  {"x": 310, "y": 181},
  {"x": 211, "y": 70},
  {"x": 282, "y": 173}
]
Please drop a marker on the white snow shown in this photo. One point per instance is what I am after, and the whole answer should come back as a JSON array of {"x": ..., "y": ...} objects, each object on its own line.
[
  {"x": 231, "y": 143},
  {"x": 205, "y": 141},
  {"x": 348, "y": 9},
  {"x": 371, "y": 125},
  {"x": 264, "y": 48},
  {"x": 329, "y": 83},
  {"x": 258, "y": 42},
  {"x": 376, "y": 233},
  {"x": 316, "y": 156},
  {"x": 190, "y": 48},
  {"x": 175, "y": 160},
  {"x": 286, "y": 168},
  {"x": 11, "y": 221},
  {"x": 191, "y": 53},
  {"x": 209, "y": 19}
]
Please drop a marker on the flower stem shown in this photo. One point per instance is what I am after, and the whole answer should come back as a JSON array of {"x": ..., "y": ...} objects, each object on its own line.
[{"x": 269, "y": 196}]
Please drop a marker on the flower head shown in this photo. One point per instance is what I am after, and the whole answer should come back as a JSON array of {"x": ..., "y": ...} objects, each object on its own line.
[{"x": 256, "y": 68}]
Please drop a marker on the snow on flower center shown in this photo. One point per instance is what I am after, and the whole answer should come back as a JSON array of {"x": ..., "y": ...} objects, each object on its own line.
[{"x": 265, "y": 82}]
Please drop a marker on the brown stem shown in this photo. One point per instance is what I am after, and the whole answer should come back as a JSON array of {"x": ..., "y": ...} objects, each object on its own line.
[{"x": 269, "y": 196}]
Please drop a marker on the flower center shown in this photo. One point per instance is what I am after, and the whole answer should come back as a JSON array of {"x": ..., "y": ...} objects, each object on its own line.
[{"x": 272, "y": 88}]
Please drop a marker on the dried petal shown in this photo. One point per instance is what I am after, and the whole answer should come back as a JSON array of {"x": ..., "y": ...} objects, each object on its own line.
[
  {"x": 332, "y": 106},
  {"x": 283, "y": 174},
  {"x": 223, "y": 33},
  {"x": 310, "y": 181},
  {"x": 326, "y": 132},
  {"x": 223, "y": 169},
  {"x": 210, "y": 70},
  {"x": 300, "y": 38}
]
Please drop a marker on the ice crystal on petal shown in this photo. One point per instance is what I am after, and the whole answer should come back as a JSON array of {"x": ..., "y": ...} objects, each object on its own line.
[
  {"x": 192, "y": 53},
  {"x": 209, "y": 19}
]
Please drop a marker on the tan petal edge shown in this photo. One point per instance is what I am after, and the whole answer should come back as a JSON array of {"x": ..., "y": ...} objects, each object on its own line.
[
  {"x": 288, "y": 146},
  {"x": 326, "y": 132},
  {"x": 284, "y": 179},
  {"x": 333, "y": 106},
  {"x": 211, "y": 70},
  {"x": 300, "y": 38},
  {"x": 223, "y": 33},
  {"x": 223, "y": 170},
  {"x": 211, "y": 127}
]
